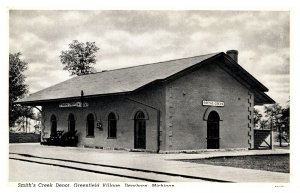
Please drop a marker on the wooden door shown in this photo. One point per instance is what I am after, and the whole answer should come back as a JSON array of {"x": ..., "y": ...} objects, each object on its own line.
[
  {"x": 139, "y": 131},
  {"x": 213, "y": 131}
]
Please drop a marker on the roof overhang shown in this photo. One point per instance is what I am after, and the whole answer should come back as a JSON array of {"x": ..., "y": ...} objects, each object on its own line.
[
  {"x": 261, "y": 98},
  {"x": 42, "y": 102}
]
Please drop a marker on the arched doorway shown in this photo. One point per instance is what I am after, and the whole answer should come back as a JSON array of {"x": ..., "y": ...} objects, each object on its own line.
[
  {"x": 213, "y": 130},
  {"x": 53, "y": 125},
  {"x": 71, "y": 123},
  {"x": 139, "y": 130}
]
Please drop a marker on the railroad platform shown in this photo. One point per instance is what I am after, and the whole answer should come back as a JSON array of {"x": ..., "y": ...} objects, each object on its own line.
[{"x": 125, "y": 166}]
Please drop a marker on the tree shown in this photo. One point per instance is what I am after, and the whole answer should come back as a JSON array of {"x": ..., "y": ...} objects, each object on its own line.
[
  {"x": 256, "y": 116},
  {"x": 286, "y": 120},
  {"x": 274, "y": 114},
  {"x": 79, "y": 58},
  {"x": 17, "y": 88},
  {"x": 279, "y": 120},
  {"x": 259, "y": 120},
  {"x": 264, "y": 124}
]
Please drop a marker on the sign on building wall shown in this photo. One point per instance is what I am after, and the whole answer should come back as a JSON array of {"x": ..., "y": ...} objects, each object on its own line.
[
  {"x": 99, "y": 125},
  {"x": 73, "y": 104},
  {"x": 213, "y": 103}
]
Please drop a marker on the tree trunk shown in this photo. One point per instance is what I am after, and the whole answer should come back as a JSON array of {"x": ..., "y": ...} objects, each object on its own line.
[
  {"x": 25, "y": 124},
  {"x": 29, "y": 125}
]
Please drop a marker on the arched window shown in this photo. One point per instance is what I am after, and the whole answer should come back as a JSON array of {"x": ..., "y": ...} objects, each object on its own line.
[
  {"x": 139, "y": 130},
  {"x": 112, "y": 125},
  {"x": 90, "y": 124},
  {"x": 53, "y": 125},
  {"x": 71, "y": 122},
  {"x": 139, "y": 115}
]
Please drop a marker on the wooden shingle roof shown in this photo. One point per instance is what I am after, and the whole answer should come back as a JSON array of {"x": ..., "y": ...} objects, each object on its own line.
[{"x": 122, "y": 80}]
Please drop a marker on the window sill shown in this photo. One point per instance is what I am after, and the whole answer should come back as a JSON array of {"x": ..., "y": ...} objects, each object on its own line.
[
  {"x": 111, "y": 137},
  {"x": 90, "y": 136}
]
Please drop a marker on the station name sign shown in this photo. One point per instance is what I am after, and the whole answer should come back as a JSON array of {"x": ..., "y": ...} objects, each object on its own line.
[
  {"x": 213, "y": 103},
  {"x": 73, "y": 104}
]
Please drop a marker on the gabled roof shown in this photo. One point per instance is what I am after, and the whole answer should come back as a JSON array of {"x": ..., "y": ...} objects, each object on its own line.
[{"x": 123, "y": 80}]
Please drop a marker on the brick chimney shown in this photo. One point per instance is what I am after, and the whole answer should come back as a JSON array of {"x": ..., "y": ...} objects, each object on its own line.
[{"x": 233, "y": 54}]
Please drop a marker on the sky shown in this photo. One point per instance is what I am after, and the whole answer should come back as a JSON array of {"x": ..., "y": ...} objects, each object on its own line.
[{"x": 130, "y": 38}]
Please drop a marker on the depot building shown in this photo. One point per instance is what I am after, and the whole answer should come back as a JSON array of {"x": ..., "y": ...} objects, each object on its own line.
[{"x": 201, "y": 102}]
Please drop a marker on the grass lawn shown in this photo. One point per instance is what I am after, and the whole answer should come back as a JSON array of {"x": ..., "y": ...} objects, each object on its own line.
[{"x": 274, "y": 163}]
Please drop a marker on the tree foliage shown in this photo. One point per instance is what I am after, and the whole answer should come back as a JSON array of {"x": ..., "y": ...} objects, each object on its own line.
[
  {"x": 17, "y": 88},
  {"x": 80, "y": 58},
  {"x": 257, "y": 116},
  {"x": 279, "y": 121},
  {"x": 275, "y": 117},
  {"x": 286, "y": 119},
  {"x": 279, "y": 118},
  {"x": 259, "y": 120},
  {"x": 273, "y": 114}
]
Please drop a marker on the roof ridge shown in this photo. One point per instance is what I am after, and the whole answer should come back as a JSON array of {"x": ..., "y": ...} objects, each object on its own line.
[
  {"x": 78, "y": 77},
  {"x": 150, "y": 64}
]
